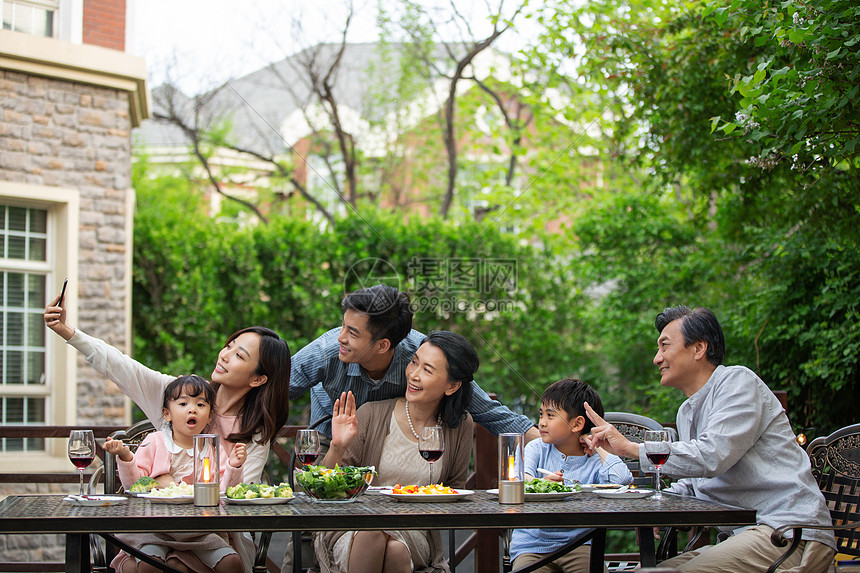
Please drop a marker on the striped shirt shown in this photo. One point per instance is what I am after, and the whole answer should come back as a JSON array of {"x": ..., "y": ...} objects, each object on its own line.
[
  {"x": 318, "y": 366},
  {"x": 585, "y": 469}
]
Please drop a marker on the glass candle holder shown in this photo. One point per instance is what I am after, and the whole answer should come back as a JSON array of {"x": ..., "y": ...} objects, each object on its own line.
[
  {"x": 207, "y": 490},
  {"x": 511, "y": 470}
]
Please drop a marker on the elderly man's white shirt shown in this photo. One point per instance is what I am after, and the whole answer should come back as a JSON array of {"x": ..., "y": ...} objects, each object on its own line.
[{"x": 737, "y": 447}]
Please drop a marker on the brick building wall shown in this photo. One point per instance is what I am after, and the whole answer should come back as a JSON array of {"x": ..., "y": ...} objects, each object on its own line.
[
  {"x": 104, "y": 23},
  {"x": 59, "y": 133}
]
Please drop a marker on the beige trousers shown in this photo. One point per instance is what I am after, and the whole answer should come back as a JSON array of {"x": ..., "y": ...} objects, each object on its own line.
[{"x": 752, "y": 551}]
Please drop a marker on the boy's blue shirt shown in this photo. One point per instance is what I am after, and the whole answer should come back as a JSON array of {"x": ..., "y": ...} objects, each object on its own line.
[{"x": 586, "y": 469}]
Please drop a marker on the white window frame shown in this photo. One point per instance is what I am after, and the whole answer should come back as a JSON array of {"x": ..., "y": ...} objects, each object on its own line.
[
  {"x": 63, "y": 206},
  {"x": 47, "y": 5}
]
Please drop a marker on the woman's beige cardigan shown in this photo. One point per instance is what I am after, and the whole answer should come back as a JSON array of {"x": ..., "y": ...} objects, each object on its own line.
[{"x": 373, "y": 423}]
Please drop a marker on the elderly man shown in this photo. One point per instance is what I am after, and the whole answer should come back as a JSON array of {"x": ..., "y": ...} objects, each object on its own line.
[{"x": 735, "y": 447}]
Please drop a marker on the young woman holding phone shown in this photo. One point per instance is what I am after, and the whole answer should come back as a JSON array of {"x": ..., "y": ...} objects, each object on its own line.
[{"x": 251, "y": 377}]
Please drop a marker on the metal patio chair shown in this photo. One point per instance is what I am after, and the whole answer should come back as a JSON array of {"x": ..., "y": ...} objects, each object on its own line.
[{"x": 835, "y": 463}]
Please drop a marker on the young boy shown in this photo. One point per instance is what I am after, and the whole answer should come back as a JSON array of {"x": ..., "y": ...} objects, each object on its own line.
[{"x": 562, "y": 423}]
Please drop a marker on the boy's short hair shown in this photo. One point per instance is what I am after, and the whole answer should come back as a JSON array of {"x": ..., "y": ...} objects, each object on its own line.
[{"x": 569, "y": 394}]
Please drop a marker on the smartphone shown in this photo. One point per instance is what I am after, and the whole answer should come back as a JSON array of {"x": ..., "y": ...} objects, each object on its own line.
[{"x": 63, "y": 292}]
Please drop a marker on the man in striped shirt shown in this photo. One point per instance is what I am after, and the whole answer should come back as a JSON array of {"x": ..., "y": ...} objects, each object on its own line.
[{"x": 368, "y": 355}]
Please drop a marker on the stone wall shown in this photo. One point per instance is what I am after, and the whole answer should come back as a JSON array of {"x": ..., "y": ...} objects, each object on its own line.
[
  {"x": 33, "y": 548},
  {"x": 63, "y": 134}
]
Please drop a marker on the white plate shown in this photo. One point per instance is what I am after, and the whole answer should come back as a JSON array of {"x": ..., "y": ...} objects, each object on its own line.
[
  {"x": 377, "y": 489},
  {"x": 162, "y": 499},
  {"x": 549, "y": 496},
  {"x": 626, "y": 494},
  {"x": 96, "y": 500},
  {"x": 589, "y": 487},
  {"x": 428, "y": 497},
  {"x": 259, "y": 500}
]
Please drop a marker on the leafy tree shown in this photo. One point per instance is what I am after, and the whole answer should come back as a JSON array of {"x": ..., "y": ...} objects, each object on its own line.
[
  {"x": 766, "y": 249},
  {"x": 458, "y": 66},
  {"x": 801, "y": 93}
]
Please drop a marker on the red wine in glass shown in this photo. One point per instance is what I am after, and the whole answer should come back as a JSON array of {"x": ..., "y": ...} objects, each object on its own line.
[
  {"x": 81, "y": 462},
  {"x": 307, "y": 446},
  {"x": 657, "y": 449},
  {"x": 658, "y": 459},
  {"x": 431, "y": 455},
  {"x": 431, "y": 445},
  {"x": 82, "y": 450},
  {"x": 307, "y": 459}
]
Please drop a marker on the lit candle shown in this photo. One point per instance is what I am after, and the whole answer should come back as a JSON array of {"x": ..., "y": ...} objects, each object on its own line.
[
  {"x": 511, "y": 476},
  {"x": 206, "y": 470}
]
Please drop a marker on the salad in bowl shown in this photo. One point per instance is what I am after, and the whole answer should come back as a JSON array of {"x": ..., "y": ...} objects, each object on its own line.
[{"x": 341, "y": 483}]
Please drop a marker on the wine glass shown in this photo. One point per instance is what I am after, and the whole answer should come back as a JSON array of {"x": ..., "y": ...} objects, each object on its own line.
[
  {"x": 431, "y": 444},
  {"x": 82, "y": 450},
  {"x": 657, "y": 449},
  {"x": 307, "y": 446}
]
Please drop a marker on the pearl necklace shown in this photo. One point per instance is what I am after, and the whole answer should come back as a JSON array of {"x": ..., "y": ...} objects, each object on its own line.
[{"x": 409, "y": 420}]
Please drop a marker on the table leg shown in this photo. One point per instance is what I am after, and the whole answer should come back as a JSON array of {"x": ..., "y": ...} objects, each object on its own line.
[
  {"x": 647, "y": 550},
  {"x": 77, "y": 552},
  {"x": 297, "y": 551},
  {"x": 598, "y": 551},
  {"x": 487, "y": 551}
]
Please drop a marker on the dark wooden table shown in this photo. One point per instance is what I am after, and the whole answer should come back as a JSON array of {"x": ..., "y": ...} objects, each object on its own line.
[{"x": 50, "y": 514}]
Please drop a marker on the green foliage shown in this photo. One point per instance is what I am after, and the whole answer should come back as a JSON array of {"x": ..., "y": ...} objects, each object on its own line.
[
  {"x": 632, "y": 195},
  {"x": 801, "y": 91},
  {"x": 772, "y": 251},
  {"x": 197, "y": 280}
]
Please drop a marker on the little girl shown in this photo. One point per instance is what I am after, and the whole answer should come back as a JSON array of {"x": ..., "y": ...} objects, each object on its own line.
[{"x": 167, "y": 456}]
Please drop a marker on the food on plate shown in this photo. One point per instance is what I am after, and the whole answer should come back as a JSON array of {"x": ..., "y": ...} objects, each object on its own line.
[
  {"x": 144, "y": 485},
  {"x": 434, "y": 489},
  {"x": 258, "y": 490},
  {"x": 181, "y": 489},
  {"x": 540, "y": 485},
  {"x": 336, "y": 483}
]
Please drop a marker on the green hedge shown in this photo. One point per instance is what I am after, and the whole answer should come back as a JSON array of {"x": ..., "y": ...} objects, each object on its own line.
[
  {"x": 580, "y": 303},
  {"x": 197, "y": 280}
]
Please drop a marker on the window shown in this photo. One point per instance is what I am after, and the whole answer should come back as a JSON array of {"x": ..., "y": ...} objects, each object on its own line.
[
  {"x": 39, "y": 241},
  {"x": 23, "y": 248},
  {"x": 34, "y": 17}
]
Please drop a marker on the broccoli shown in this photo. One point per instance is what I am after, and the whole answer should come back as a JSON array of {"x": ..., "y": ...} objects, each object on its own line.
[
  {"x": 254, "y": 491},
  {"x": 143, "y": 485}
]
